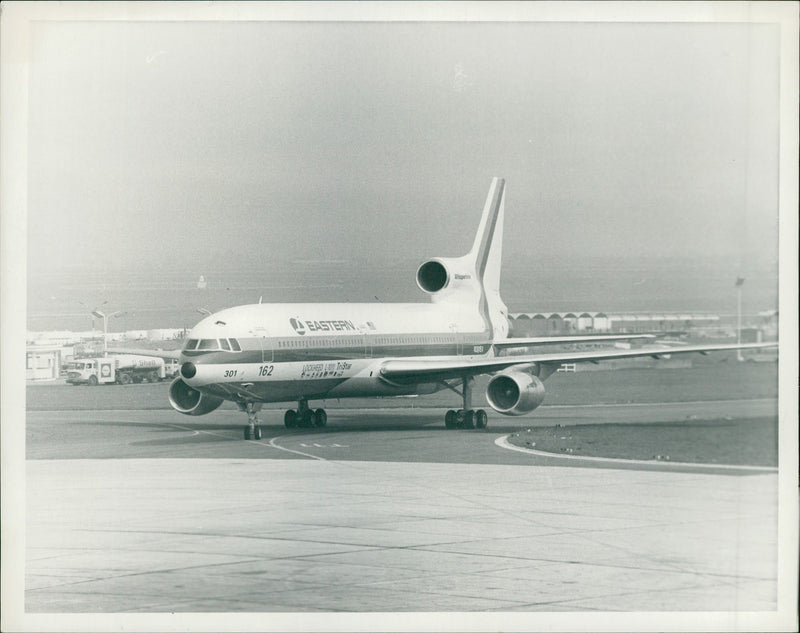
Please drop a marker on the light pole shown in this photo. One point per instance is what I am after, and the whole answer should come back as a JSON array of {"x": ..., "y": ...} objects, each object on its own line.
[
  {"x": 739, "y": 284},
  {"x": 101, "y": 315}
]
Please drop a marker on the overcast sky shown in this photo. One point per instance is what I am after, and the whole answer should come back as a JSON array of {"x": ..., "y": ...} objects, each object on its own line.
[{"x": 262, "y": 141}]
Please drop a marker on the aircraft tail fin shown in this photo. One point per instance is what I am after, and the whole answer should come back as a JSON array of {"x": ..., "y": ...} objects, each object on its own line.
[
  {"x": 487, "y": 250},
  {"x": 475, "y": 277}
]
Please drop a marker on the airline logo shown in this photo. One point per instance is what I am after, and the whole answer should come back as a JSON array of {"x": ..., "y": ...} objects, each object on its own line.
[
  {"x": 301, "y": 327},
  {"x": 298, "y": 326}
]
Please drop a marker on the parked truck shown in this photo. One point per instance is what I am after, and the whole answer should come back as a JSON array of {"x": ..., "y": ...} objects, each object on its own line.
[{"x": 121, "y": 369}]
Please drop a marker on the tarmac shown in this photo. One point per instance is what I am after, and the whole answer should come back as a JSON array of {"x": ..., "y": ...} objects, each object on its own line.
[
  {"x": 145, "y": 512},
  {"x": 250, "y": 535}
]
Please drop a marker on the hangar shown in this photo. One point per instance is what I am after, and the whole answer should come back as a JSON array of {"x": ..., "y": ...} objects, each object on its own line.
[{"x": 552, "y": 323}]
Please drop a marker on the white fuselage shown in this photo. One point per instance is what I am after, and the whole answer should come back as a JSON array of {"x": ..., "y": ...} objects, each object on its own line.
[{"x": 282, "y": 352}]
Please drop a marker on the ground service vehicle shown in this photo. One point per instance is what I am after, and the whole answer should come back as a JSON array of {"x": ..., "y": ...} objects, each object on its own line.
[{"x": 119, "y": 369}]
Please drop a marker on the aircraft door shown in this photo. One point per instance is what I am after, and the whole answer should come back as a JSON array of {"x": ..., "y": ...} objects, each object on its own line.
[
  {"x": 459, "y": 338},
  {"x": 366, "y": 342},
  {"x": 265, "y": 342}
]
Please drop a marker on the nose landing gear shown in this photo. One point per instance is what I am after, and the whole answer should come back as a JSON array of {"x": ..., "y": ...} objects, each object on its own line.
[{"x": 252, "y": 431}]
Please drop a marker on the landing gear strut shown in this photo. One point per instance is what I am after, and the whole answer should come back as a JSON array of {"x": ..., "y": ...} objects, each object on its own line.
[
  {"x": 466, "y": 417},
  {"x": 304, "y": 416},
  {"x": 252, "y": 431}
]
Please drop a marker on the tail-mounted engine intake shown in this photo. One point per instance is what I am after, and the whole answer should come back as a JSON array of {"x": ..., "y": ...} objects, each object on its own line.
[
  {"x": 514, "y": 393},
  {"x": 450, "y": 274},
  {"x": 432, "y": 276},
  {"x": 190, "y": 401}
]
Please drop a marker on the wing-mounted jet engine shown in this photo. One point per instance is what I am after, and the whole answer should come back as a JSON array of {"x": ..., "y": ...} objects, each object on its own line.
[
  {"x": 514, "y": 392},
  {"x": 190, "y": 401}
]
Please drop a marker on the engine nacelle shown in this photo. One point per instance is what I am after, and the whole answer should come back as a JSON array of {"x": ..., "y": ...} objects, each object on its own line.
[
  {"x": 190, "y": 401},
  {"x": 515, "y": 393},
  {"x": 445, "y": 273},
  {"x": 433, "y": 276}
]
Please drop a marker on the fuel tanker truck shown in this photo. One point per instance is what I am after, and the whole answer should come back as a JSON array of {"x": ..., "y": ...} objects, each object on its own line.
[{"x": 121, "y": 369}]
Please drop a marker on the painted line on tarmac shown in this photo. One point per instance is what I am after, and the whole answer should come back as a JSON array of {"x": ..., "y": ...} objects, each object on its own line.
[
  {"x": 196, "y": 432},
  {"x": 503, "y": 442},
  {"x": 271, "y": 443},
  {"x": 289, "y": 450},
  {"x": 184, "y": 428}
]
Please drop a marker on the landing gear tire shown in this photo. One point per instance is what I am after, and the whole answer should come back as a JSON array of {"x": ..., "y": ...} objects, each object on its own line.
[
  {"x": 320, "y": 418},
  {"x": 290, "y": 419},
  {"x": 465, "y": 419},
  {"x": 469, "y": 419},
  {"x": 254, "y": 434}
]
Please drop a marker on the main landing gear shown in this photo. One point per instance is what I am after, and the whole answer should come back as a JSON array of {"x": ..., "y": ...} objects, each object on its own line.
[
  {"x": 304, "y": 417},
  {"x": 466, "y": 418}
]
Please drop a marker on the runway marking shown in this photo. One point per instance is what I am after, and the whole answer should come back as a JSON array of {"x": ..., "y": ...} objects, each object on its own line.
[
  {"x": 503, "y": 442},
  {"x": 289, "y": 450},
  {"x": 271, "y": 443},
  {"x": 184, "y": 428}
]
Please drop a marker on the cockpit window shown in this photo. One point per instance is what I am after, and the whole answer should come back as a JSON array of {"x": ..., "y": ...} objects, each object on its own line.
[
  {"x": 223, "y": 343},
  {"x": 208, "y": 343},
  {"x": 235, "y": 345},
  {"x": 191, "y": 344}
]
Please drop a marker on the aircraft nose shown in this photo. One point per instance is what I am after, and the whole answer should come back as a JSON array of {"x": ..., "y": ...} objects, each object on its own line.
[{"x": 188, "y": 370}]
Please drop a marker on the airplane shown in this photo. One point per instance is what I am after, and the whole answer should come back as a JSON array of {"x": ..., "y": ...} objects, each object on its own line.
[{"x": 284, "y": 352}]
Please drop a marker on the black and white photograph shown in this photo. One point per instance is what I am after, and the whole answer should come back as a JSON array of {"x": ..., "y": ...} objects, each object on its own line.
[{"x": 388, "y": 316}]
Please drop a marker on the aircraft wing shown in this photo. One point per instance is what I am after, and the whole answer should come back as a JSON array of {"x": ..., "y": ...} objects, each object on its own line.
[
  {"x": 166, "y": 354},
  {"x": 421, "y": 369},
  {"x": 552, "y": 340}
]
